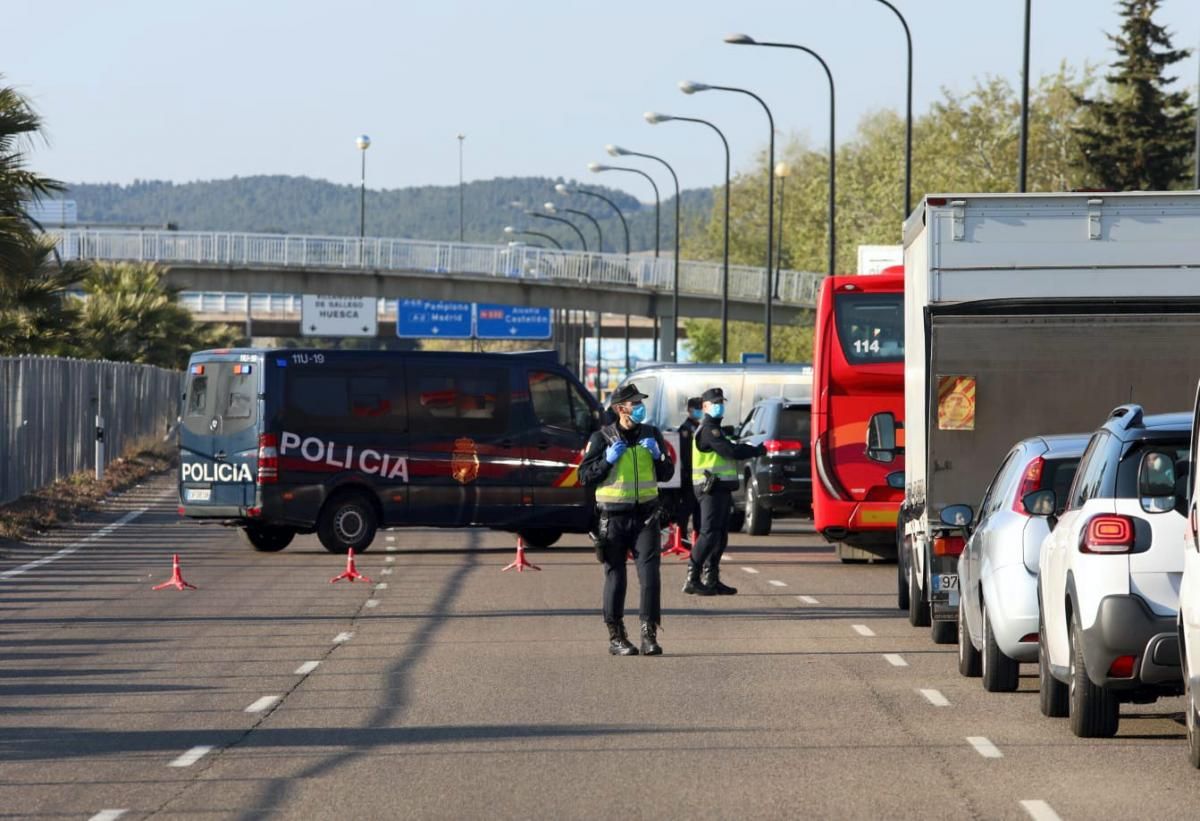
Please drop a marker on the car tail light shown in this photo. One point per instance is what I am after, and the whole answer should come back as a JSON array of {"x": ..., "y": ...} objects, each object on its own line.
[
  {"x": 1107, "y": 534},
  {"x": 254, "y": 512},
  {"x": 776, "y": 488},
  {"x": 1122, "y": 667},
  {"x": 181, "y": 510},
  {"x": 948, "y": 545},
  {"x": 1031, "y": 481},
  {"x": 1029, "y": 638},
  {"x": 783, "y": 447},
  {"x": 268, "y": 459}
]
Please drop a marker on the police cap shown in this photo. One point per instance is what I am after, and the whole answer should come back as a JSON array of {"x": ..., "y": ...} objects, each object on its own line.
[
  {"x": 713, "y": 395},
  {"x": 626, "y": 393}
]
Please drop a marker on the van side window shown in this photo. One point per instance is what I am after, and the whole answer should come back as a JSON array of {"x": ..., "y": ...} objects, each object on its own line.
[
  {"x": 551, "y": 400},
  {"x": 584, "y": 419},
  {"x": 197, "y": 401},
  {"x": 240, "y": 403},
  {"x": 341, "y": 401},
  {"x": 473, "y": 402}
]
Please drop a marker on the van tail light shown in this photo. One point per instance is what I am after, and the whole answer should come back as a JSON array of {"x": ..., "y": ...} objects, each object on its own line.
[
  {"x": 268, "y": 459},
  {"x": 824, "y": 469},
  {"x": 1107, "y": 534},
  {"x": 783, "y": 447},
  {"x": 1122, "y": 667},
  {"x": 948, "y": 545},
  {"x": 1031, "y": 481}
]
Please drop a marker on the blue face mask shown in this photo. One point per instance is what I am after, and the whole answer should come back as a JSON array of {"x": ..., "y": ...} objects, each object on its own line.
[
  {"x": 638, "y": 414},
  {"x": 697, "y": 414},
  {"x": 717, "y": 411}
]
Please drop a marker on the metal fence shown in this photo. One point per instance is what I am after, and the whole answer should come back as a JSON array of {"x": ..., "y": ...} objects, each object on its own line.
[{"x": 48, "y": 412}]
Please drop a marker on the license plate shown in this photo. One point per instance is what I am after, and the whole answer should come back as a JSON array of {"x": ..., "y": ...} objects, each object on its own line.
[
  {"x": 197, "y": 494},
  {"x": 945, "y": 589}
]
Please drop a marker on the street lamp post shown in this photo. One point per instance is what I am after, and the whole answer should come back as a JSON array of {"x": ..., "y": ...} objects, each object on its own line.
[
  {"x": 783, "y": 171},
  {"x": 513, "y": 231},
  {"x": 654, "y": 119},
  {"x": 573, "y": 226},
  {"x": 745, "y": 40},
  {"x": 1024, "y": 139},
  {"x": 689, "y": 87},
  {"x": 363, "y": 142},
  {"x": 551, "y": 208},
  {"x": 907, "y": 113},
  {"x": 564, "y": 190},
  {"x": 461, "y": 190},
  {"x": 617, "y": 151}
]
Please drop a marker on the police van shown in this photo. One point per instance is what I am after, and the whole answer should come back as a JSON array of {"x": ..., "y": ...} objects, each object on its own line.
[{"x": 339, "y": 443}]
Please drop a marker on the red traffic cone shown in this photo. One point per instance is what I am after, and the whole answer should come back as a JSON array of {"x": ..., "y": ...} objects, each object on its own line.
[
  {"x": 351, "y": 573},
  {"x": 520, "y": 563},
  {"x": 675, "y": 543},
  {"x": 176, "y": 579}
]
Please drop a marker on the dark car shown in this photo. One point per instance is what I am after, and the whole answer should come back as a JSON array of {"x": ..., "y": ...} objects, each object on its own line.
[
  {"x": 778, "y": 483},
  {"x": 340, "y": 443}
]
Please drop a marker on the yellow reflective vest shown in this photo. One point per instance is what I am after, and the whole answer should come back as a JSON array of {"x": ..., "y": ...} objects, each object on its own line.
[
  {"x": 631, "y": 481},
  {"x": 716, "y": 464}
]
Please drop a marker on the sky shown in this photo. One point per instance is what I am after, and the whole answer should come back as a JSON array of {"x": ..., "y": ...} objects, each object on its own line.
[{"x": 185, "y": 90}]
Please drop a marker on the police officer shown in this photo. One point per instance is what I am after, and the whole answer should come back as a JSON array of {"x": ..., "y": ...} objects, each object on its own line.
[
  {"x": 624, "y": 462},
  {"x": 714, "y": 477},
  {"x": 687, "y": 509}
]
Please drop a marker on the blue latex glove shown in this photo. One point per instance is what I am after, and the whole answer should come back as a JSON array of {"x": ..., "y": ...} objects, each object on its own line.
[
  {"x": 614, "y": 451},
  {"x": 649, "y": 444}
]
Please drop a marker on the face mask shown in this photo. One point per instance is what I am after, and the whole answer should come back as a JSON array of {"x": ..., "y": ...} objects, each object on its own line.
[
  {"x": 697, "y": 414},
  {"x": 638, "y": 414},
  {"x": 717, "y": 411}
]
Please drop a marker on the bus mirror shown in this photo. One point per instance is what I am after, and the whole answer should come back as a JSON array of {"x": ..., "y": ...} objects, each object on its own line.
[
  {"x": 895, "y": 480},
  {"x": 881, "y": 438}
]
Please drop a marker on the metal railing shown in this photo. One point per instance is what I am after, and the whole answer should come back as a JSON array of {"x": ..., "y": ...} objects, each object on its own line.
[{"x": 218, "y": 248}]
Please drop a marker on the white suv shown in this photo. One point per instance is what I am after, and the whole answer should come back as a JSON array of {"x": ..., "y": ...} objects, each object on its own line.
[
  {"x": 1189, "y": 600},
  {"x": 1110, "y": 571}
]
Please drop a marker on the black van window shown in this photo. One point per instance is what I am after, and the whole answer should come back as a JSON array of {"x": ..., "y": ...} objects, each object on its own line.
[
  {"x": 224, "y": 391},
  {"x": 551, "y": 400},
  {"x": 473, "y": 402},
  {"x": 344, "y": 402},
  {"x": 239, "y": 402},
  {"x": 585, "y": 418},
  {"x": 197, "y": 396}
]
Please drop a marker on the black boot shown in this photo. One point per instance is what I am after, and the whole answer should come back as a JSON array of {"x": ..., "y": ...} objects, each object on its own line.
[
  {"x": 618, "y": 641},
  {"x": 693, "y": 585},
  {"x": 712, "y": 579},
  {"x": 650, "y": 645}
]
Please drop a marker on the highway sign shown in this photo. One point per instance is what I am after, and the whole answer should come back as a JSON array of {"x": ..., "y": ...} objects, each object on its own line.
[
  {"x": 511, "y": 322},
  {"x": 322, "y": 315},
  {"x": 422, "y": 319}
]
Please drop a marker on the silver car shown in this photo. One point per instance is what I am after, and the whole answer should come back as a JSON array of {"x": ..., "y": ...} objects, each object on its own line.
[{"x": 997, "y": 571}]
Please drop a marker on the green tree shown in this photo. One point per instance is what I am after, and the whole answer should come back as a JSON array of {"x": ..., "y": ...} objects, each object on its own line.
[{"x": 1140, "y": 136}]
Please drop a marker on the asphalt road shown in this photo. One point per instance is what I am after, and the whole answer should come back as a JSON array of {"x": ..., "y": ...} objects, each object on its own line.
[{"x": 447, "y": 689}]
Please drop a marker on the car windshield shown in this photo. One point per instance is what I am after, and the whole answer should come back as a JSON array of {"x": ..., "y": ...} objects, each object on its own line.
[{"x": 870, "y": 327}]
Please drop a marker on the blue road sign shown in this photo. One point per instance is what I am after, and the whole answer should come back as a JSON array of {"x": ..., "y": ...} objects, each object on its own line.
[
  {"x": 511, "y": 322},
  {"x": 422, "y": 319},
  {"x": 753, "y": 358}
]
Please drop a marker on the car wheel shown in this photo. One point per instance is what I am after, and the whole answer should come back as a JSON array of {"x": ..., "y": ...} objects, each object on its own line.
[
  {"x": 944, "y": 632},
  {"x": 347, "y": 521},
  {"x": 918, "y": 609},
  {"x": 968, "y": 656},
  {"x": 267, "y": 539},
  {"x": 901, "y": 578},
  {"x": 540, "y": 537},
  {"x": 1193, "y": 732},
  {"x": 758, "y": 518},
  {"x": 1094, "y": 711},
  {"x": 1053, "y": 694},
  {"x": 1000, "y": 673}
]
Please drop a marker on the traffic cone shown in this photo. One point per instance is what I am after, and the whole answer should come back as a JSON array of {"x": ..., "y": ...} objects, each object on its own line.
[
  {"x": 520, "y": 563},
  {"x": 675, "y": 543},
  {"x": 351, "y": 573},
  {"x": 176, "y": 579}
]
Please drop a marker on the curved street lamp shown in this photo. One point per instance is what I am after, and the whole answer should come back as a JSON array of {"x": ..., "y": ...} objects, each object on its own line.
[
  {"x": 746, "y": 40},
  {"x": 907, "y": 113},
  {"x": 564, "y": 190},
  {"x": 597, "y": 168},
  {"x": 618, "y": 151},
  {"x": 654, "y": 118},
  {"x": 551, "y": 208},
  {"x": 514, "y": 231},
  {"x": 573, "y": 226}
]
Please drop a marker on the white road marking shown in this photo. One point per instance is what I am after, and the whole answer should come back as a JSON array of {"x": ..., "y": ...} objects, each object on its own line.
[
  {"x": 264, "y": 703},
  {"x": 74, "y": 548},
  {"x": 862, "y": 630},
  {"x": 108, "y": 815},
  {"x": 808, "y": 599},
  {"x": 390, "y": 559},
  {"x": 935, "y": 698},
  {"x": 387, "y": 571},
  {"x": 307, "y": 667},
  {"x": 372, "y": 602},
  {"x": 341, "y": 637},
  {"x": 1040, "y": 811},
  {"x": 191, "y": 756},
  {"x": 391, "y": 538},
  {"x": 777, "y": 583},
  {"x": 381, "y": 586},
  {"x": 895, "y": 659},
  {"x": 391, "y": 548},
  {"x": 749, "y": 570},
  {"x": 984, "y": 747}
]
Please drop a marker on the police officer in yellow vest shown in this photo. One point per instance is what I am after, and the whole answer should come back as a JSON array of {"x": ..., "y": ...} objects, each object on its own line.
[
  {"x": 624, "y": 462},
  {"x": 714, "y": 478}
]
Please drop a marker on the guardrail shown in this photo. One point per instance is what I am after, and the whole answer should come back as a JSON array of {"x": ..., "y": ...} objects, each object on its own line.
[{"x": 746, "y": 283}]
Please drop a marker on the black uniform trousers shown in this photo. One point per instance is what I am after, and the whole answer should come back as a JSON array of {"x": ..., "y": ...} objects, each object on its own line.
[
  {"x": 629, "y": 532},
  {"x": 715, "y": 510}
]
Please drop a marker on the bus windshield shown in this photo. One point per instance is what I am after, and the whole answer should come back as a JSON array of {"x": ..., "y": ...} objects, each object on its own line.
[{"x": 870, "y": 327}]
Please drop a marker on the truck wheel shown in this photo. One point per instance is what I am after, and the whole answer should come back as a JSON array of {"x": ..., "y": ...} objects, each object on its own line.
[
  {"x": 901, "y": 579},
  {"x": 540, "y": 537},
  {"x": 1095, "y": 712},
  {"x": 1000, "y": 673},
  {"x": 1193, "y": 732},
  {"x": 1053, "y": 696},
  {"x": 347, "y": 521},
  {"x": 918, "y": 608},
  {"x": 968, "y": 656},
  {"x": 758, "y": 518},
  {"x": 944, "y": 632},
  {"x": 267, "y": 539}
]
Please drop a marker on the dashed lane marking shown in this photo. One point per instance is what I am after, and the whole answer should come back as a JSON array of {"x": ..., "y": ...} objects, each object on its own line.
[
  {"x": 264, "y": 703},
  {"x": 1040, "y": 811},
  {"x": 895, "y": 659},
  {"x": 387, "y": 571},
  {"x": 391, "y": 538},
  {"x": 863, "y": 630},
  {"x": 777, "y": 583},
  {"x": 341, "y": 637},
  {"x": 74, "y": 548},
  {"x": 391, "y": 548},
  {"x": 372, "y": 602},
  {"x": 390, "y": 559},
  {"x": 749, "y": 570},
  {"x": 108, "y": 815},
  {"x": 808, "y": 599},
  {"x": 984, "y": 747},
  {"x": 191, "y": 756},
  {"x": 381, "y": 586},
  {"x": 935, "y": 698},
  {"x": 307, "y": 667}
]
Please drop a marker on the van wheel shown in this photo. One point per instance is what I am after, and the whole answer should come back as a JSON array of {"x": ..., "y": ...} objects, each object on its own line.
[
  {"x": 944, "y": 632},
  {"x": 1053, "y": 693},
  {"x": 758, "y": 518},
  {"x": 540, "y": 537},
  {"x": 267, "y": 539},
  {"x": 968, "y": 656},
  {"x": 347, "y": 521},
  {"x": 1095, "y": 711},
  {"x": 918, "y": 609},
  {"x": 1193, "y": 732},
  {"x": 1000, "y": 673}
]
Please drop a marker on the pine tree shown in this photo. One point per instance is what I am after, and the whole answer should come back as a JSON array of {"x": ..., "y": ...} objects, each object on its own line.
[{"x": 1140, "y": 135}]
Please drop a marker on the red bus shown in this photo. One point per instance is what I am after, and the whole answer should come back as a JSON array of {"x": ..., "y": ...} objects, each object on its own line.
[{"x": 858, "y": 371}]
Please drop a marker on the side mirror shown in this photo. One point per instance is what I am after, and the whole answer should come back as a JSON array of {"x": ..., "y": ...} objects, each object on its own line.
[
  {"x": 1042, "y": 503},
  {"x": 958, "y": 516},
  {"x": 895, "y": 480},
  {"x": 881, "y": 438},
  {"x": 1156, "y": 482}
]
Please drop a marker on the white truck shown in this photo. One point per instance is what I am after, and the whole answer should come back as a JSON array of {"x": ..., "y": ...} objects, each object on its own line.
[{"x": 1027, "y": 314}]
